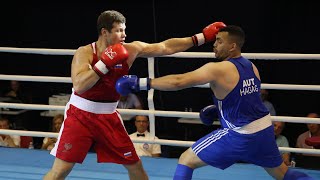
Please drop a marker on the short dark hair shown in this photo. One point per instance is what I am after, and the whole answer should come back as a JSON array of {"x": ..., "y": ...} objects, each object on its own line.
[
  {"x": 107, "y": 18},
  {"x": 236, "y": 33},
  {"x": 147, "y": 117}
]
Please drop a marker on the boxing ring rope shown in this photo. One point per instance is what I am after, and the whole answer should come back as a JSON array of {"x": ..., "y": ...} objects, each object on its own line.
[
  {"x": 265, "y": 56},
  {"x": 68, "y": 80},
  {"x": 152, "y": 112},
  {"x": 151, "y": 141},
  {"x": 179, "y": 114}
]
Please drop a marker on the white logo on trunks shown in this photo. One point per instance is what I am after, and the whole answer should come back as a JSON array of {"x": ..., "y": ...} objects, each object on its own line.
[
  {"x": 67, "y": 147},
  {"x": 111, "y": 54}
]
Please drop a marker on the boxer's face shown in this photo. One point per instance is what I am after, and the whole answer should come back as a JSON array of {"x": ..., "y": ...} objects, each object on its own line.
[
  {"x": 118, "y": 33},
  {"x": 222, "y": 46}
]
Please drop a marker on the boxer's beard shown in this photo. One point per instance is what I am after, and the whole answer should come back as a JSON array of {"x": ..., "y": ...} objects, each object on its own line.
[{"x": 219, "y": 59}]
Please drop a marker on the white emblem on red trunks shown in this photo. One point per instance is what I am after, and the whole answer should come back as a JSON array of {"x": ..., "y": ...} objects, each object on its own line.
[{"x": 67, "y": 147}]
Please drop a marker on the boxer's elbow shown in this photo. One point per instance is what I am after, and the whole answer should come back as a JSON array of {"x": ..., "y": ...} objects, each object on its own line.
[
  {"x": 81, "y": 83},
  {"x": 80, "y": 87}
]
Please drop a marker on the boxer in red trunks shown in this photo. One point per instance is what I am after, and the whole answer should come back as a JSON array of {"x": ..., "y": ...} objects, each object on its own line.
[{"x": 91, "y": 119}]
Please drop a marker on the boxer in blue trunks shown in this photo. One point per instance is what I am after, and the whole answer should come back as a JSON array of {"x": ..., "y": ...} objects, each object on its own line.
[{"x": 247, "y": 132}]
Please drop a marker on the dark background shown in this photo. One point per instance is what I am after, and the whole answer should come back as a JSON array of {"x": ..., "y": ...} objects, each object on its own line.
[{"x": 270, "y": 26}]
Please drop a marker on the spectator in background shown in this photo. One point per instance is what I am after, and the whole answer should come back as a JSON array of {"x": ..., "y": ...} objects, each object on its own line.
[
  {"x": 8, "y": 140},
  {"x": 265, "y": 98},
  {"x": 48, "y": 142},
  {"x": 144, "y": 149},
  {"x": 16, "y": 93},
  {"x": 131, "y": 101},
  {"x": 313, "y": 131},
  {"x": 281, "y": 140}
]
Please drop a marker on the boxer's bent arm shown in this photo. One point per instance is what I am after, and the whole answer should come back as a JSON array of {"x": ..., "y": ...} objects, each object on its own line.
[{"x": 82, "y": 75}]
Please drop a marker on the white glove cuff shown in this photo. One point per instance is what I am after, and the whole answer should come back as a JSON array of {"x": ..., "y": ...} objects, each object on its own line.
[
  {"x": 100, "y": 68},
  {"x": 200, "y": 38},
  {"x": 144, "y": 83}
]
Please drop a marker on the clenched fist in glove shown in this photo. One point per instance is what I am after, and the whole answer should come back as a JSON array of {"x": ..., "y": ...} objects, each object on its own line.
[
  {"x": 209, "y": 114},
  {"x": 112, "y": 55},
  {"x": 208, "y": 34},
  {"x": 131, "y": 83}
]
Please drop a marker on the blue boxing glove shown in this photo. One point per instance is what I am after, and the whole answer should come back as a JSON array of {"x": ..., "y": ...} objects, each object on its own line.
[
  {"x": 131, "y": 83},
  {"x": 209, "y": 114}
]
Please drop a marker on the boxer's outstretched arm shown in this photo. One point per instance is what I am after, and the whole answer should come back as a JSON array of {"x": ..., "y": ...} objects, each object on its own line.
[
  {"x": 175, "y": 45},
  {"x": 203, "y": 75},
  {"x": 166, "y": 47}
]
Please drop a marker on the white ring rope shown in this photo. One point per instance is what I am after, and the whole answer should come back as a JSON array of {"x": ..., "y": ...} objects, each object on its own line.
[
  {"x": 180, "y": 114},
  {"x": 36, "y": 78},
  {"x": 38, "y": 51},
  {"x": 68, "y": 80},
  {"x": 151, "y": 141},
  {"x": 152, "y": 112},
  {"x": 264, "y": 56}
]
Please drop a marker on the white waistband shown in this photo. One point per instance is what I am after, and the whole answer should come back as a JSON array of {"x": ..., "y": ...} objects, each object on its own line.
[
  {"x": 255, "y": 126},
  {"x": 91, "y": 106}
]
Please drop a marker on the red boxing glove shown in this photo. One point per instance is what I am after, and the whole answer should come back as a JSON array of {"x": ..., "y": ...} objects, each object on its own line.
[
  {"x": 112, "y": 55},
  {"x": 208, "y": 34}
]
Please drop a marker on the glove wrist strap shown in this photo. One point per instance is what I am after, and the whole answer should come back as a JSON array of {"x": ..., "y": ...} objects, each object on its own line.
[
  {"x": 100, "y": 68},
  {"x": 198, "y": 39},
  {"x": 144, "y": 83}
]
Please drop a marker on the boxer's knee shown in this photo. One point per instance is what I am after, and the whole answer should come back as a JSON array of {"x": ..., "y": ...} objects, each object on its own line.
[
  {"x": 60, "y": 169},
  {"x": 190, "y": 159}
]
